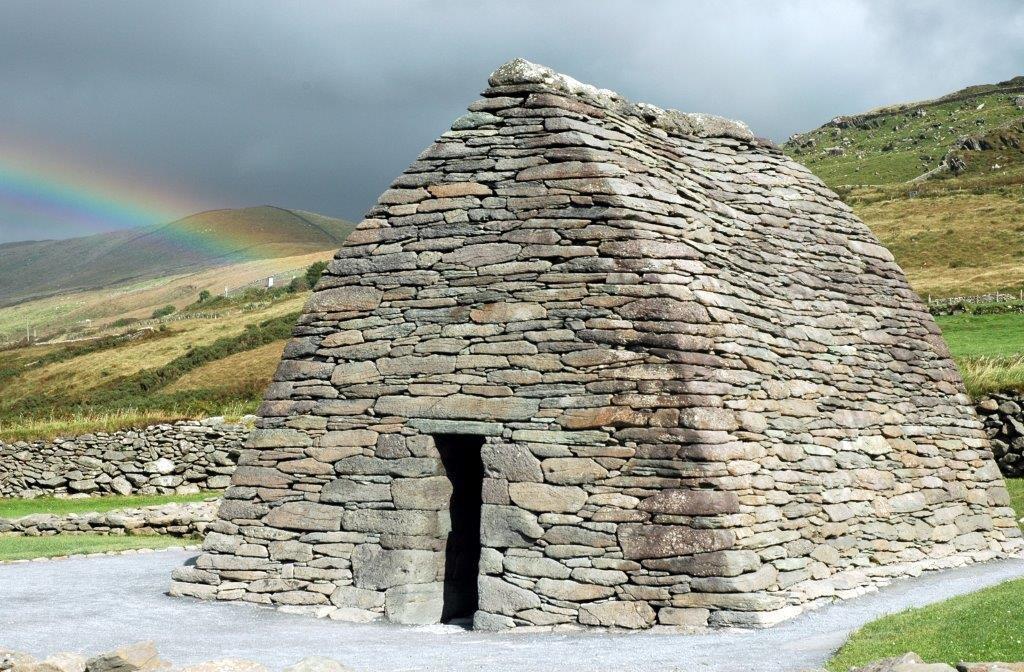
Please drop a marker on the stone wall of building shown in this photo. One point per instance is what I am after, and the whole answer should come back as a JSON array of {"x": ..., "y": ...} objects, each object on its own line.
[
  {"x": 700, "y": 391},
  {"x": 182, "y": 457},
  {"x": 187, "y": 519}
]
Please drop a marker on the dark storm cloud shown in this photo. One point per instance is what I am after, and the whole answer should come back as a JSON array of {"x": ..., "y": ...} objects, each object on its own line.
[{"x": 318, "y": 105}]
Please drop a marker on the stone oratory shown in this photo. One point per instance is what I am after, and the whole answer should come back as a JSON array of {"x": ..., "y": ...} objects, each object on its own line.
[{"x": 590, "y": 362}]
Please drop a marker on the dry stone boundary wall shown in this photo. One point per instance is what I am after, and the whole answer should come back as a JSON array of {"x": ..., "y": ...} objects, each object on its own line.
[
  {"x": 1003, "y": 417},
  {"x": 187, "y": 519},
  {"x": 182, "y": 457}
]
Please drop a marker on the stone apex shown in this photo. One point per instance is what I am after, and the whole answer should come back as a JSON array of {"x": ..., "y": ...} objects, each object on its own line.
[{"x": 519, "y": 71}]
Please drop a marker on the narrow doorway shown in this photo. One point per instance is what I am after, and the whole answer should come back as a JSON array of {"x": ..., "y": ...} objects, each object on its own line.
[{"x": 460, "y": 456}]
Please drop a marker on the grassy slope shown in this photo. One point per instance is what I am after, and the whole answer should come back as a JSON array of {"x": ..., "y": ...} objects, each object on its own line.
[
  {"x": 951, "y": 242},
  {"x": 983, "y": 335},
  {"x": 138, "y": 300},
  {"x": 201, "y": 241},
  {"x": 26, "y": 548},
  {"x": 956, "y": 235},
  {"x": 196, "y": 367},
  {"x": 16, "y": 508},
  {"x": 900, "y": 145},
  {"x": 980, "y": 626}
]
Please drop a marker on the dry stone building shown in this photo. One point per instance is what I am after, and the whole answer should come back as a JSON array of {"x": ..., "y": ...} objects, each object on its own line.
[{"x": 593, "y": 362}]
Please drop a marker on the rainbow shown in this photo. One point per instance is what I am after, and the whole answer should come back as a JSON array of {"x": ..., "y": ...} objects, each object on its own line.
[{"x": 74, "y": 197}]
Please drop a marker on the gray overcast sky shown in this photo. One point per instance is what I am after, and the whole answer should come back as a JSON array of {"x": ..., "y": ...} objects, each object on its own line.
[{"x": 145, "y": 108}]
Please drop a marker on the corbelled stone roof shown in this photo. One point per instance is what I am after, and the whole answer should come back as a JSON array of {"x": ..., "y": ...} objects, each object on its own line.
[
  {"x": 520, "y": 71},
  {"x": 703, "y": 393}
]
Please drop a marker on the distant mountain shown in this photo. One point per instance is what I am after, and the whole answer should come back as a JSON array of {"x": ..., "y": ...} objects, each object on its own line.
[
  {"x": 976, "y": 131},
  {"x": 36, "y": 269}
]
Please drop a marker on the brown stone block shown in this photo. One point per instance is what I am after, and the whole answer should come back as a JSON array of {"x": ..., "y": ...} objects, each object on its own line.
[
  {"x": 691, "y": 502},
  {"x": 305, "y": 516},
  {"x": 339, "y": 299},
  {"x": 662, "y": 541},
  {"x": 507, "y": 312}
]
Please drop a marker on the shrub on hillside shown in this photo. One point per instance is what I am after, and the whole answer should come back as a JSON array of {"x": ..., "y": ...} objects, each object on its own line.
[
  {"x": 163, "y": 312},
  {"x": 313, "y": 273}
]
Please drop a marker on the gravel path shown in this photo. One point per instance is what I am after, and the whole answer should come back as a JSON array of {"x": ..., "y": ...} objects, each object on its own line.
[{"x": 95, "y": 604}]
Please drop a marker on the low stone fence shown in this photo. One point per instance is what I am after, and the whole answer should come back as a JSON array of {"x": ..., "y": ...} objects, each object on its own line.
[
  {"x": 1003, "y": 417},
  {"x": 181, "y": 457},
  {"x": 178, "y": 520}
]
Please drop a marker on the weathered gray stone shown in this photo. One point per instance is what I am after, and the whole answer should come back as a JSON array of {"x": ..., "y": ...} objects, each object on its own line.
[
  {"x": 305, "y": 516},
  {"x": 415, "y": 604},
  {"x": 511, "y": 462},
  {"x": 317, "y": 664},
  {"x": 431, "y": 493},
  {"x": 661, "y": 541},
  {"x": 631, "y": 615},
  {"x": 345, "y": 298},
  {"x": 501, "y": 597},
  {"x": 375, "y": 568},
  {"x": 541, "y": 497},
  {"x": 508, "y": 527},
  {"x": 141, "y": 657},
  {"x": 343, "y": 490}
]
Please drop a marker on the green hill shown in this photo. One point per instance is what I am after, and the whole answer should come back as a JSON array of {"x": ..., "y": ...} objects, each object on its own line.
[
  {"x": 37, "y": 269},
  {"x": 902, "y": 142},
  {"x": 940, "y": 182}
]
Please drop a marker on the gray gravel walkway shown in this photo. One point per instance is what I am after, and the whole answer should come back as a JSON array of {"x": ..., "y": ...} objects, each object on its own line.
[{"x": 95, "y": 604}]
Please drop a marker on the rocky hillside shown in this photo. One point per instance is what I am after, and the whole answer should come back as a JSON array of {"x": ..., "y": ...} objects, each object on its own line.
[
  {"x": 982, "y": 125},
  {"x": 940, "y": 182},
  {"x": 37, "y": 269}
]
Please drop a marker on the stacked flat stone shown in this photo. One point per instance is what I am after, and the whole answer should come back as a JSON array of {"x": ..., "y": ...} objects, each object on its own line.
[
  {"x": 708, "y": 395},
  {"x": 181, "y": 457},
  {"x": 1003, "y": 417},
  {"x": 182, "y": 519}
]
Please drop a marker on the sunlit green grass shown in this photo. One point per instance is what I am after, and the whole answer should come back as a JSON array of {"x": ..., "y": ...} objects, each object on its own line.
[
  {"x": 16, "y": 508},
  {"x": 984, "y": 626},
  {"x": 1016, "y": 488},
  {"x": 25, "y": 548},
  {"x": 988, "y": 349},
  {"x": 983, "y": 335}
]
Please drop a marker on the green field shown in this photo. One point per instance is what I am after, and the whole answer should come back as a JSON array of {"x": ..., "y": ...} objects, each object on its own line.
[
  {"x": 16, "y": 508},
  {"x": 983, "y": 335},
  {"x": 26, "y": 548},
  {"x": 988, "y": 349}
]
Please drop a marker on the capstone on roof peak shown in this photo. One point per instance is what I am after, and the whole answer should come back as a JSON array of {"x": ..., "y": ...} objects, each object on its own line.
[{"x": 520, "y": 71}]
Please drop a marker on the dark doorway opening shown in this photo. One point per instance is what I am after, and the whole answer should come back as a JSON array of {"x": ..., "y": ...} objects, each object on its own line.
[{"x": 460, "y": 456}]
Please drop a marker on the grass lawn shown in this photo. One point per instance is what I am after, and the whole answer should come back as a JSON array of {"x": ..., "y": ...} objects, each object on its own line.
[
  {"x": 988, "y": 349},
  {"x": 986, "y": 625},
  {"x": 983, "y": 335},
  {"x": 24, "y": 548},
  {"x": 15, "y": 508},
  {"x": 1016, "y": 488}
]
